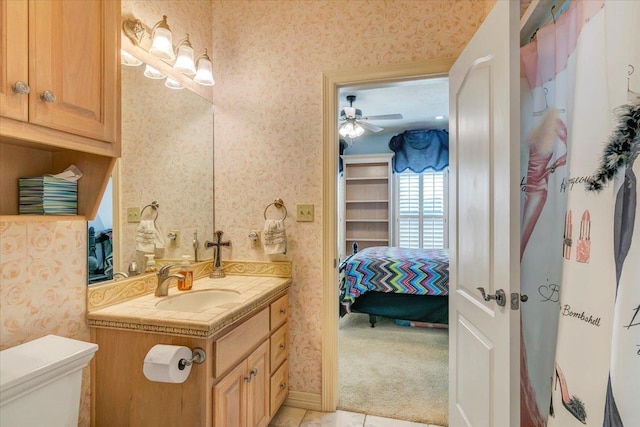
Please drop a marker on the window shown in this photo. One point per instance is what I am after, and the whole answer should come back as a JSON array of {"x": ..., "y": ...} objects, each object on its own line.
[{"x": 422, "y": 210}]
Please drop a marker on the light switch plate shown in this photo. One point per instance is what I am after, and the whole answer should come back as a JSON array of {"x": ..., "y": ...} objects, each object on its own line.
[
  {"x": 304, "y": 212},
  {"x": 133, "y": 214}
]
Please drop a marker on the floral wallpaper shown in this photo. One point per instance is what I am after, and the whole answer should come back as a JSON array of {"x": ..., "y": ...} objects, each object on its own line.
[
  {"x": 269, "y": 57},
  {"x": 43, "y": 286}
]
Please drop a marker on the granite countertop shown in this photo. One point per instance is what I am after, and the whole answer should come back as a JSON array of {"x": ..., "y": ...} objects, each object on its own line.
[{"x": 141, "y": 314}]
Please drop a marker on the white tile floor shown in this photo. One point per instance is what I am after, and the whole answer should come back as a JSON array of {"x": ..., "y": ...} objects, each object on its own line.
[{"x": 296, "y": 417}]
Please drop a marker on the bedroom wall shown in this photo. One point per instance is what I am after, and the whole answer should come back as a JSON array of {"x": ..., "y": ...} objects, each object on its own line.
[{"x": 269, "y": 57}]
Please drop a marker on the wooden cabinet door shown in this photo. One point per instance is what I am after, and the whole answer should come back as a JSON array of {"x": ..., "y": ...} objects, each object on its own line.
[
  {"x": 258, "y": 387},
  {"x": 74, "y": 55},
  {"x": 229, "y": 400},
  {"x": 14, "y": 60}
]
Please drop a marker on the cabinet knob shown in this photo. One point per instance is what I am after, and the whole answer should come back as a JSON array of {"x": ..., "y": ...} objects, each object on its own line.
[
  {"x": 283, "y": 310},
  {"x": 282, "y": 346},
  {"x": 21, "y": 88},
  {"x": 48, "y": 96},
  {"x": 282, "y": 386}
]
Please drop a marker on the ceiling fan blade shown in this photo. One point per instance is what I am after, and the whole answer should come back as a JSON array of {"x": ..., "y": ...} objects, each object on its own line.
[
  {"x": 370, "y": 127},
  {"x": 383, "y": 117}
]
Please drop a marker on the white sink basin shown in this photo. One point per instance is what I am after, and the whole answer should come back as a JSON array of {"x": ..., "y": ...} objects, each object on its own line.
[{"x": 197, "y": 301}]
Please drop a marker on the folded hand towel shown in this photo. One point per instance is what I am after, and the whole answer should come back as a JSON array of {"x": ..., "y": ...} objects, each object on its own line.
[
  {"x": 148, "y": 236},
  {"x": 274, "y": 237}
]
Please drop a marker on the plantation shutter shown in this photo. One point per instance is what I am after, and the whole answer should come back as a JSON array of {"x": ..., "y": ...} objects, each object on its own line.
[{"x": 421, "y": 210}]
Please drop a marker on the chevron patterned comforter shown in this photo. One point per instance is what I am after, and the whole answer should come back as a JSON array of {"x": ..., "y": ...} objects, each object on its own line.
[{"x": 399, "y": 270}]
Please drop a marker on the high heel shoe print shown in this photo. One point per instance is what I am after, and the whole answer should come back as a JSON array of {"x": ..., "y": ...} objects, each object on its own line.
[{"x": 573, "y": 404}]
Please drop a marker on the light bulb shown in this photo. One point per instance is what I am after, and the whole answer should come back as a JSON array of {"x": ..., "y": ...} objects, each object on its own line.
[
  {"x": 184, "y": 62},
  {"x": 129, "y": 60},
  {"x": 204, "y": 76},
  {"x": 162, "y": 44},
  {"x": 173, "y": 84},
  {"x": 152, "y": 73}
]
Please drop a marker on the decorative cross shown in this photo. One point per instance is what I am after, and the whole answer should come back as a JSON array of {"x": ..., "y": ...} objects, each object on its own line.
[{"x": 217, "y": 269}]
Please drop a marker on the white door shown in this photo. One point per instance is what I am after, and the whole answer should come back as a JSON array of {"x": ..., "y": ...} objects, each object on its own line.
[{"x": 484, "y": 347}]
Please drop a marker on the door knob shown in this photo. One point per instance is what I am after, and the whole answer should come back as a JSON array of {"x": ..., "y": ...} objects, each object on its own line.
[
  {"x": 48, "y": 96},
  {"x": 500, "y": 296},
  {"x": 21, "y": 88}
]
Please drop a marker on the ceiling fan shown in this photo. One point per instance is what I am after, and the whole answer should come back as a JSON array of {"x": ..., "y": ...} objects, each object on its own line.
[{"x": 355, "y": 123}]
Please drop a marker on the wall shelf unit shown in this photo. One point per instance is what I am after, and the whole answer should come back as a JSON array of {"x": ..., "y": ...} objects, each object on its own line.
[{"x": 365, "y": 208}]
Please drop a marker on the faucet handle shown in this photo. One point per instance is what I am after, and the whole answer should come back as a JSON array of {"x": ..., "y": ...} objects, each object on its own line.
[{"x": 164, "y": 270}]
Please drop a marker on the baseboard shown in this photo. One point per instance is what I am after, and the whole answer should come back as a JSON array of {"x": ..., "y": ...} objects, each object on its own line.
[{"x": 301, "y": 399}]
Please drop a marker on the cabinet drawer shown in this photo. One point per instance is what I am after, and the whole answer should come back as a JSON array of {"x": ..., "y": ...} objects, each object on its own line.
[
  {"x": 232, "y": 347},
  {"x": 279, "y": 346},
  {"x": 279, "y": 312},
  {"x": 279, "y": 387}
]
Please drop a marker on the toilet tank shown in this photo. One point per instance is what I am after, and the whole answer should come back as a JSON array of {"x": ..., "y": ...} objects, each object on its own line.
[{"x": 40, "y": 382}]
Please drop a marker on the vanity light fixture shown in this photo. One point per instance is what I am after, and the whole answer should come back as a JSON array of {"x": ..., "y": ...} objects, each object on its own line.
[
  {"x": 162, "y": 42},
  {"x": 204, "y": 76},
  {"x": 129, "y": 60},
  {"x": 351, "y": 129},
  {"x": 157, "y": 41},
  {"x": 184, "y": 61},
  {"x": 152, "y": 73},
  {"x": 173, "y": 84}
]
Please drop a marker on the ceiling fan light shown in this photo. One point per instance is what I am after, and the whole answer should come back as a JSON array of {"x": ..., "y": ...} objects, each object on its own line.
[
  {"x": 357, "y": 130},
  {"x": 346, "y": 129}
]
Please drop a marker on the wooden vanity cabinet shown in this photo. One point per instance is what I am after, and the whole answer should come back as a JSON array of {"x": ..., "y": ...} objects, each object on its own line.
[
  {"x": 242, "y": 383},
  {"x": 252, "y": 392},
  {"x": 63, "y": 59}
]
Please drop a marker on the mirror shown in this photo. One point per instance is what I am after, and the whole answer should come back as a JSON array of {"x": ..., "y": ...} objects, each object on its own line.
[{"x": 167, "y": 157}]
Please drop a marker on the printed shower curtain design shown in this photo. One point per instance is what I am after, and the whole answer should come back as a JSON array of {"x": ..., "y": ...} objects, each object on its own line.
[{"x": 580, "y": 340}]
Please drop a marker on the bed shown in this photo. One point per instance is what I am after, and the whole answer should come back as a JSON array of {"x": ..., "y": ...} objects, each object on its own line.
[{"x": 399, "y": 283}]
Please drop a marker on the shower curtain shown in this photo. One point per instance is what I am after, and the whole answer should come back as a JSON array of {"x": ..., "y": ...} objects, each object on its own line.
[{"x": 580, "y": 260}]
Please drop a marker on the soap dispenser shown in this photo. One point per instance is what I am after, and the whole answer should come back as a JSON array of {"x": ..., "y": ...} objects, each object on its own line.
[
  {"x": 150, "y": 264},
  {"x": 185, "y": 270}
]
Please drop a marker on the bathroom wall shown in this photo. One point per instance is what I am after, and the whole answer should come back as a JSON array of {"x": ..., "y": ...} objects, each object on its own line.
[
  {"x": 268, "y": 58},
  {"x": 43, "y": 289}
]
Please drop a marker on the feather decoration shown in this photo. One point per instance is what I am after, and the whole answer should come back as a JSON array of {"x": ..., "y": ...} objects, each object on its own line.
[{"x": 621, "y": 149}]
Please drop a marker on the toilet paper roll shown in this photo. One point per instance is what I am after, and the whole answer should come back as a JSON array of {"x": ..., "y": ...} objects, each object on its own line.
[{"x": 162, "y": 363}]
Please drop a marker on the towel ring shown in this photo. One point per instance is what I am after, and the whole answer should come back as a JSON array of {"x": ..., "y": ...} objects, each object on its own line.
[
  {"x": 278, "y": 203},
  {"x": 155, "y": 206}
]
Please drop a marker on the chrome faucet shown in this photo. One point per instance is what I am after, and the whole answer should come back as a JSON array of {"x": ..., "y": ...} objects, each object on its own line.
[
  {"x": 120, "y": 273},
  {"x": 162, "y": 290}
]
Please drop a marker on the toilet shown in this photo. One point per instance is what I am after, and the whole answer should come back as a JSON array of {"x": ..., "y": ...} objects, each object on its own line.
[{"x": 40, "y": 382}]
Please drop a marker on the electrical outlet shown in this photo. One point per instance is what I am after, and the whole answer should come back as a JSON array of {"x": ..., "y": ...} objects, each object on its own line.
[
  {"x": 133, "y": 214},
  {"x": 304, "y": 212}
]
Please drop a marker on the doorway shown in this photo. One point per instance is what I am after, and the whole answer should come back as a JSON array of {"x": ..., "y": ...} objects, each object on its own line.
[{"x": 332, "y": 83}]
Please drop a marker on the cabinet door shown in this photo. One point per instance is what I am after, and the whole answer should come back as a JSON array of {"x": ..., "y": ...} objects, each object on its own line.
[
  {"x": 14, "y": 63},
  {"x": 74, "y": 55},
  {"x": 258, "y": 387},
  {"x": 229, "y": 400}
]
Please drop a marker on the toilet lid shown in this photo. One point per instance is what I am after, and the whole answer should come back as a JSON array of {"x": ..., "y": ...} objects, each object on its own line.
[{"x": 44, "y": 355}]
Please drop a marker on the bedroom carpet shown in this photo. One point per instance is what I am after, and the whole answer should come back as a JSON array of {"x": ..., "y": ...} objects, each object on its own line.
[{"x": 393, "y": 371}]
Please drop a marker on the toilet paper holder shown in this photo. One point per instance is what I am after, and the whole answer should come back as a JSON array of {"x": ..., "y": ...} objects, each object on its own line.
[{"x": 198, "y": 356}]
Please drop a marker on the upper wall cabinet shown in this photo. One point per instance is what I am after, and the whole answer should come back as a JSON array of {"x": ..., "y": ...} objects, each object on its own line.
[
  {"x": 63, "y": 72},
  {"x": 59, "y": 92}
]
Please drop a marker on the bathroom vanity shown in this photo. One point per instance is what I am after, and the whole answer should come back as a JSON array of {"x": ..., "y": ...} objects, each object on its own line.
[{"x": 242, "y": 324}]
